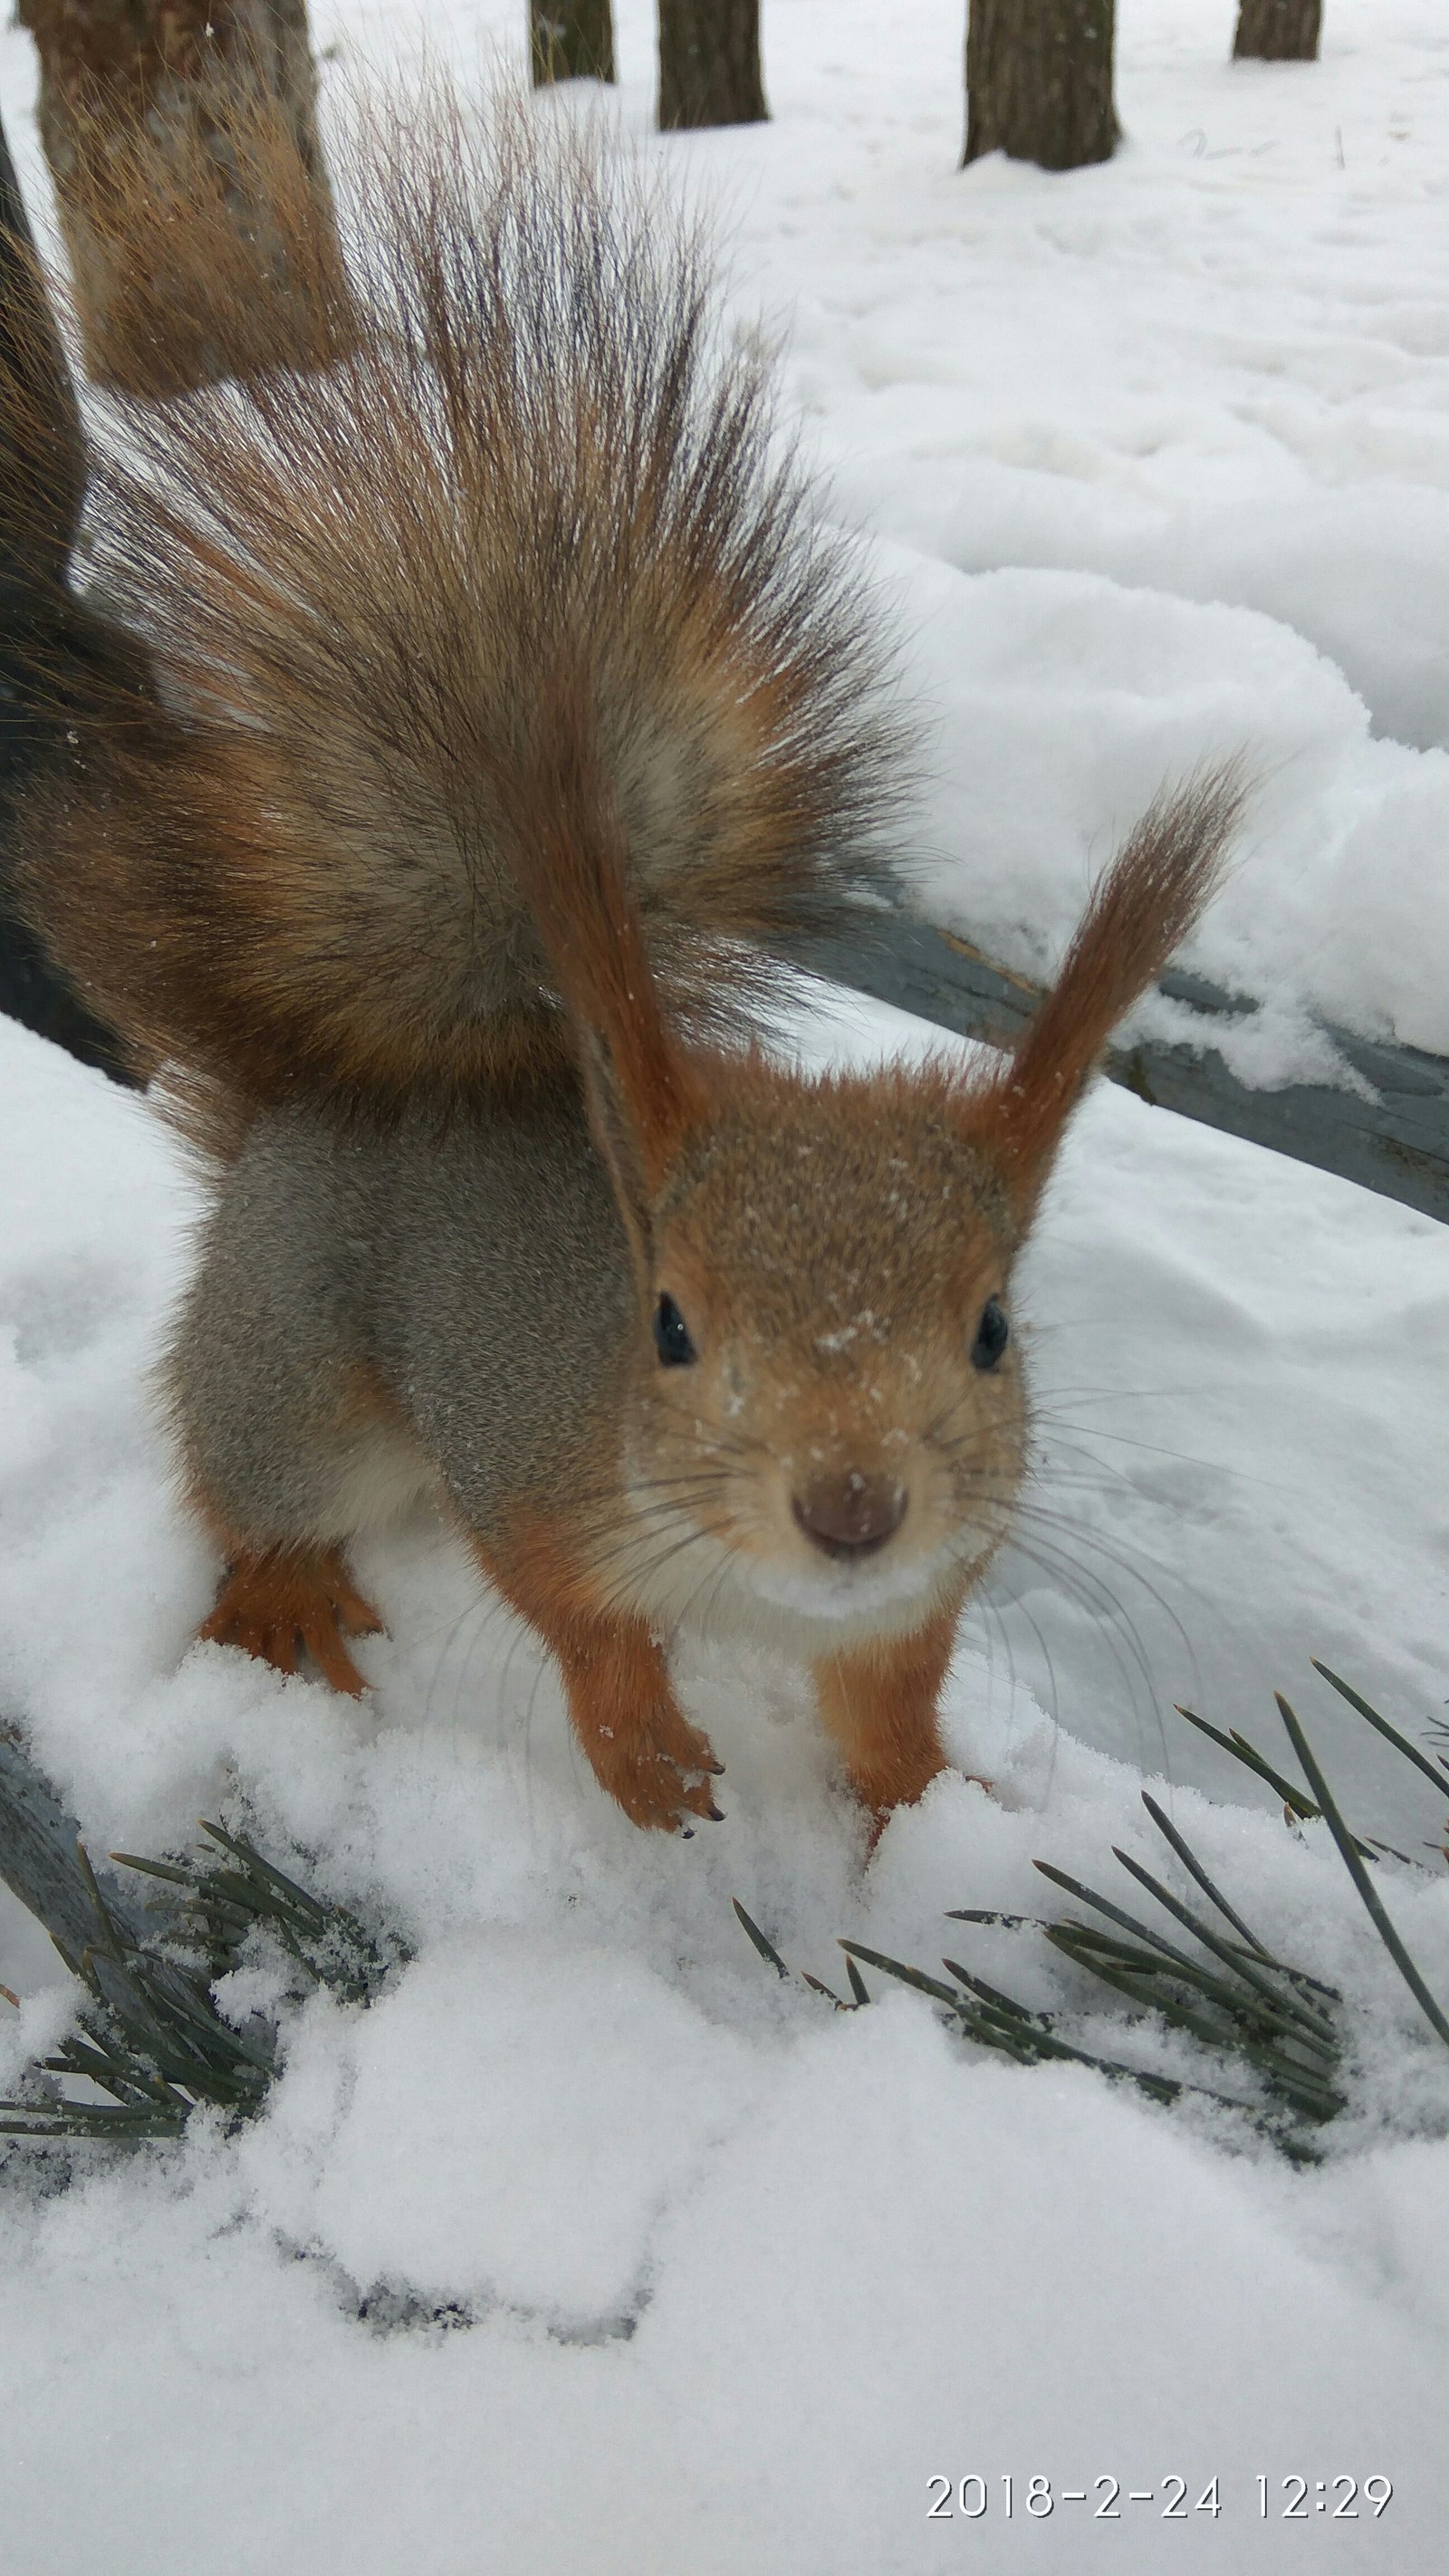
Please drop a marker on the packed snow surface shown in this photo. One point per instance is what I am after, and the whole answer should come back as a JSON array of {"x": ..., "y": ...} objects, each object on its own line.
[{"x": 591, "y": 2246}]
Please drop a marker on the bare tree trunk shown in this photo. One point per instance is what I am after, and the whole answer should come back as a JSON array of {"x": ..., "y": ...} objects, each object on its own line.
[
  {"x": 1278, "y": 31},
  {"x": 1039, "y": 81},
  {"x": 570, "y": 40},
  {"x": 173, "y": 84},
  {"x": 709, "y": 63},
  {"x": 52, "y": 648}
]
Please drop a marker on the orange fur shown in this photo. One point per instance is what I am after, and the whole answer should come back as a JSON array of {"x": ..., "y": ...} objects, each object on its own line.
[
  {"x": 1140, "y": 911},
  {"x": 279, "y": 1603},
  {"x": 880, "y": 1705},
  {"x": 574, "y": 871},
  {"x": 621, "y": 1702}
]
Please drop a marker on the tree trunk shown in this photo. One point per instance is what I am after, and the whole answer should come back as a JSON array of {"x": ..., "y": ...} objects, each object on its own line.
[
  {"x": 145, "y": 105},
  {"x": 570, "y": 40},
  {"x": 1039, "y": 81},
  {"x": 48, "y": 641},
  {"x": 1278, "y": 31},
  {"x": 709, "y": 63}
]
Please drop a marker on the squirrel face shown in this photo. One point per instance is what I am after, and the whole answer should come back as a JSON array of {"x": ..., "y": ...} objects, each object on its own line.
[{"x": 827, "y": 1382}]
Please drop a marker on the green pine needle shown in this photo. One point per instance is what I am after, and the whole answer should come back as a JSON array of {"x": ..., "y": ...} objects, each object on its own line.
[
  {"x": 1432, "y": 1769},
  {"x": 1350, "y": 1850},
  {"x": 1231, "y": 1996},
  {"x": 149, "y": 2033},
  {"x": 766, "y": 1948}
]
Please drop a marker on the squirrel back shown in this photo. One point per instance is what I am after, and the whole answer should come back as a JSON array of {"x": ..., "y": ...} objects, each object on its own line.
[{"x": 518, "y": 537}]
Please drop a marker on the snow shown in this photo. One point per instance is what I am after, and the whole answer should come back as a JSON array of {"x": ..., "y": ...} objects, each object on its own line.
[
  {"x": 591, "y": 2245},
  {"x": 733, "y": 2277}
]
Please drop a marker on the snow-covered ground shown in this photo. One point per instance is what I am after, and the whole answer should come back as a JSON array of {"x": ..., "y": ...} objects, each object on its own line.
[{"x": 1158, "y": 459}]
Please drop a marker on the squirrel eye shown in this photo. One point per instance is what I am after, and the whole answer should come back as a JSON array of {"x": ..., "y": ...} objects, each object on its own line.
[
  {"x": 992, "y": 1335},
  {"x": 671, "y": 1335}
]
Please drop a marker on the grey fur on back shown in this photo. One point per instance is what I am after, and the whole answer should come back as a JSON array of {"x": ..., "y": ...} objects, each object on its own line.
[{"x": 479, "y": 1279}]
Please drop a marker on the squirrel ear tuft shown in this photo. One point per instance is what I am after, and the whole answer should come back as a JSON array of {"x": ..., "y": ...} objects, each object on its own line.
[
  {"x": 1140, "y": 910},
  {"x": 641, "y": 1088}
]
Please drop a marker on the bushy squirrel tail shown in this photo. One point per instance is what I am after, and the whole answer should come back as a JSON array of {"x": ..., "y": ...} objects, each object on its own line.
[{"x": 511, "y": 520}]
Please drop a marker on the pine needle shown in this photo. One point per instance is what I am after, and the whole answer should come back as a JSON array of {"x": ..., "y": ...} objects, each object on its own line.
[
  {"x": 1432, "y": 1769},
  {"x": 1231, "y": 1996},
  {"x": 1353, "y": 1864},
  {"x": 149, "y": 2032}
]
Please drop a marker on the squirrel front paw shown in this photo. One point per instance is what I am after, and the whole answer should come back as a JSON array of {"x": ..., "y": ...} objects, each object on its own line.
[
  {"x": 279, "y": 1603},
  {"x": 659, "y": 1769},
  {"x": 621, "y": 1701}
]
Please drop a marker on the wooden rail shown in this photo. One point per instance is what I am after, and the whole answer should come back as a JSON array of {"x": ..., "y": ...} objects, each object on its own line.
[{"x": 1396, "y": 1143}]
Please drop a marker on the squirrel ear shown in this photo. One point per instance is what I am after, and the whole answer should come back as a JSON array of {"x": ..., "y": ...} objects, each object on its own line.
[
  {"x": 641, "y": 1089},
  {"x": 618, "y": 1139},
  {"x": 1145, "y": 904}
]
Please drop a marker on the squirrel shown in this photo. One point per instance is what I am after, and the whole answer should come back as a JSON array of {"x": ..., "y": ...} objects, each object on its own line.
[{"x": 514, "y": 716}]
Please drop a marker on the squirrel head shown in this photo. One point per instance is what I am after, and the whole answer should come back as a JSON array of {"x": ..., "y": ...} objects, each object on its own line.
[{"x": 827, "y": 1379}]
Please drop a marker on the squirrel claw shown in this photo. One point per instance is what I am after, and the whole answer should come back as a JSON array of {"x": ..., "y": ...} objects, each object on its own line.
[
  {"x": 659, "y": 1783},
  {"x": 279, "y": 1603}
]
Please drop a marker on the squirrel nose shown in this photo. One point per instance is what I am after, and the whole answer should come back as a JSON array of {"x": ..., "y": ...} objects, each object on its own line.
[{"x": 851, "y": 1515}]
